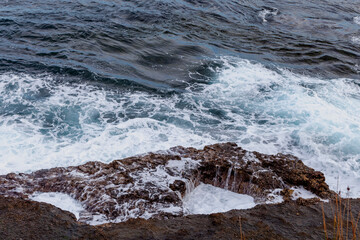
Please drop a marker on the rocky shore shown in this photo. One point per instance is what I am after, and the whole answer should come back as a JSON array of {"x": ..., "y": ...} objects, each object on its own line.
[
  {"x": 142, "y": 198},
  {"x": 24, "y": 219}
]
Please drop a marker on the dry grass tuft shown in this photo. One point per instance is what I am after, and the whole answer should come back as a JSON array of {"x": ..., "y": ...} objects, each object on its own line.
[
  {"x": 242, "y": 235},
  {"x": 345, "y": 226}
]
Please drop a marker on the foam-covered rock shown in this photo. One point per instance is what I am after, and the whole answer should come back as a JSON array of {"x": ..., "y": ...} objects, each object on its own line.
[{"x": 153, "y": 185}]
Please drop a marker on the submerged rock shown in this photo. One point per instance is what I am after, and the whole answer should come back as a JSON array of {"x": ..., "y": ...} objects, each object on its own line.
[{"x": 153, "y": 185}]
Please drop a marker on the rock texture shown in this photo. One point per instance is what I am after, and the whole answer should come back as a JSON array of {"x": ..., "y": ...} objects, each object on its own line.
[
  {"x": 153, "y": 185},
  {"x": 24, "y": 219}
]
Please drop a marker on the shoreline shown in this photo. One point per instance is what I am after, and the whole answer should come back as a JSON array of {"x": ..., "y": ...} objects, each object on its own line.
[
  {"x": 288, "y": 220},
  {"x": 146, "y": 194},
  {"x": 155, "y": 185}
]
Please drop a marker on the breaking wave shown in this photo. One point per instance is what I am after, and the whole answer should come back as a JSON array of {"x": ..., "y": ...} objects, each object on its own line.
[{"x": 268, "y": 109}]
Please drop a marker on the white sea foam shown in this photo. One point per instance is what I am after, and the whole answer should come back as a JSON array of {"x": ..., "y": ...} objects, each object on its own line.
[
  {"x": 60, "y": 200},
  {"x": 263, "y": 14},
  {"x": 207, "y": 199},
  {"x": 262, "y": 109},
  {"x": 355, "y": 39},
  {"x": 317, "y": 120},
  {"x": 274, "y": 197},
  {"x": 357, "y": 20},
  {"x": 69, "y": 126},
  {"x": 298, "y": 192}
]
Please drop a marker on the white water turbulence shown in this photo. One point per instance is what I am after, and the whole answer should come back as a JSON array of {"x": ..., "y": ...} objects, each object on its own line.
[
  {"x": 298, "y": 192},
  {"x": 355, "y": 39},
  {"x": 45, "y": 124},
  {"x": 60, "y": 200},
  {"x": 314, "y": 119},
  {"x": 207, "y": 199},
  {"x": 357, "y": 20},
  {"x": 266, "y": 13}
]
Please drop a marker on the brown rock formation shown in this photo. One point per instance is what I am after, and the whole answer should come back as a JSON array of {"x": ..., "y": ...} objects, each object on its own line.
[
  {"x": 147, "y": 185},
  {"x": 23, "y": 219}
]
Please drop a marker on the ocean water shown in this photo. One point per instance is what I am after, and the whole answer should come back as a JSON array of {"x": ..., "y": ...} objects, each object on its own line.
[{"x": 102, "y": 80}]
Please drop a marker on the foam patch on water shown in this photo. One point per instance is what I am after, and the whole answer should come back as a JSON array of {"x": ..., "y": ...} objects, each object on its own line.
[
  {"x": 60, "y": 200},
  {"x": 300, "y": 192},
  {"x": 207, "y": 199},
  {"x": 355, "y": 39},
  {"x": 45, "y": 124},
  {"x": 317, "y": 120},
  {"x": 265, "y": 13},
  {"x": 357, "y": 20},
  {"x": 275, "y": 196}
]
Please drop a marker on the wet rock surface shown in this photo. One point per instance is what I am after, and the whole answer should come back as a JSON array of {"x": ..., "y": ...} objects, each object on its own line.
[
  {"x": 153, "y": 185},
  {"x": 24, "y": 219}
]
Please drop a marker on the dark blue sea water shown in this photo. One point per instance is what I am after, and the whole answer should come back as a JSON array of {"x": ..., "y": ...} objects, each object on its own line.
[{"x": 100, "y": 80}]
